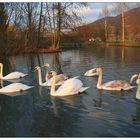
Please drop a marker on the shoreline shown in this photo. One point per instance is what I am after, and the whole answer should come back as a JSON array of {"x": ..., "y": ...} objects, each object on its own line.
[{"x": 23, "y": 50}]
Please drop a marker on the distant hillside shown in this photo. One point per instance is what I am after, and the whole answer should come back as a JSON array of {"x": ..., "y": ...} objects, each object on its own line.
[
  {"x": 96, "y": 29},
  {"x": 132, "y": 17}
]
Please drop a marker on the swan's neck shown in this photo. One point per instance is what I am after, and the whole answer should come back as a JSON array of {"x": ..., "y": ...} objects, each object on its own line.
[
  {"x": 53, "y": 85},
  {"x": 47, "y": 76},
  {"x": 1, "y": 71},
  {"x": 99, "y": 83},
  {"x": 1, "y": 83},
  {"x": 39, "y": 77},
  {"x": 138, "y": 90}
]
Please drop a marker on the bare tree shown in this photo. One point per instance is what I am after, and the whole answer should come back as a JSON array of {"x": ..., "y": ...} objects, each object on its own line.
[
  {"x": 60, "y": 17},
  {"x": 33, "y": 19},
  {"x": 104, "y": 14},
  {"x": 39, "y": 25},
  {"x": 3, "y": 20},
  {"x": 123, "y": 7}
]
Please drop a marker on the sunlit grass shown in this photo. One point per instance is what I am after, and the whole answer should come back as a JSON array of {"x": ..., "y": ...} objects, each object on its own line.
[{"x": 133, "y": 43}]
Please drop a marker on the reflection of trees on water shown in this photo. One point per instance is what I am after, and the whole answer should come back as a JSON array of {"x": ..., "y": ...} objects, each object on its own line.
[
  {"x": 136, "y": 117},
  {"x": 30, "y": 63},
  {"x": 6, "y": 68},
  {"x": 123, "y": 54},
  {"x": 54, "y": 106},
  {"x": 56, "y": 63},
  {"x": 41, "y": 59}
]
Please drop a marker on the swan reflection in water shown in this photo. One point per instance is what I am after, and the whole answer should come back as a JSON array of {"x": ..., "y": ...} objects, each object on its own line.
[
  {"x": 136, "y": 117},
  {"x": 98, "y": 100},
  {"x": 61, "y": 103},
  {"x": 56, "y": 63}
]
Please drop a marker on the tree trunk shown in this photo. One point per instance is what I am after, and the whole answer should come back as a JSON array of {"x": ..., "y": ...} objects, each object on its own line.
[
  {"x": 50, "y": 24},
  {"x": 39, "y": 28},
  {"x": 29, "y": 24},
  {"x": 123, "y": 22},
  {"x": 3, "y": 24},
  {"x": 105, "y": 23},
  {"x": 58, "y": 25}
]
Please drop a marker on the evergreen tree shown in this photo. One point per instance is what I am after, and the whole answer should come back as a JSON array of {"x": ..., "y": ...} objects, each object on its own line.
[{"x": 3, "y": 19}]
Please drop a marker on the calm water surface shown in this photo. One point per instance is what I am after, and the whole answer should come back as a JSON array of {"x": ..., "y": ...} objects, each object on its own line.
[{"x": 35, "y": 113}]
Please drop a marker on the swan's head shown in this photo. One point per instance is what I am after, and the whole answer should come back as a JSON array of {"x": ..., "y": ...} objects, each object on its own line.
[
  {"x": 133, "y": 77},
  {"x": 46, "y": 65},
  {"x": 53, "y": 73},
  {"x": 98, "y": 69},
  {"x": 37, "y": 68},
  {"x": 49, "y": 74},
  {"x": 0, "y": 73}
]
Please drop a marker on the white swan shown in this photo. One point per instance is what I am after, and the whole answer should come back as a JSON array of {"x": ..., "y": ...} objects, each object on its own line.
[
  {"x": 138, "y": 89},
  {"x": 38, "y": 69},
  {"x": 48, "y": 82},
  {"x": 15, "y": 87},
  {"x": 69, "y": 87},
  {"x": 116, "y": 85},
  {"x": 91, "y": 72},
  {"x": 60, "y": 78},
  {"x": 13, "y": 75},
  {"x": 135, "y": 77},
  {"x": 47, "y": 75}
]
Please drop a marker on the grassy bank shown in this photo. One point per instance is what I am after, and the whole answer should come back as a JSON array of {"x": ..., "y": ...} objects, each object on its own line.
[
  {"x": 11, "y": 50},
  {"x": 132, "y": 43},
  {"x": 127, "y": 43}
]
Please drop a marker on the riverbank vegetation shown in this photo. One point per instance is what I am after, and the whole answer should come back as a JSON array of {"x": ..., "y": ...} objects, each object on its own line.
[
  {"x": 31, "y": 27},
  {"x": 51, "y": 27}
]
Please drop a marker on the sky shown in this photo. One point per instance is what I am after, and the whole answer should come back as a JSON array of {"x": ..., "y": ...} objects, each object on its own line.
[{"x": 91, "y": 12}]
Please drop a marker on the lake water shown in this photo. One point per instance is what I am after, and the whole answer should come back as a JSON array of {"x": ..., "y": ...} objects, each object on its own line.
[{"x": 95, "y": 113}]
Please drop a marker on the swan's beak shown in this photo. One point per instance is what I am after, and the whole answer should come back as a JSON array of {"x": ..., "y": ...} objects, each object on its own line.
[
  {"x": 50, "y": 74},
  {"x": 53, "y": 72},
  {"x": 35, "y": 69}
]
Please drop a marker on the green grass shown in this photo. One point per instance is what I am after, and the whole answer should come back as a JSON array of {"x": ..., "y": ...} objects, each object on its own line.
[
  {"x": 127, "y": 43},
  {"x": 133, "y": 43}
]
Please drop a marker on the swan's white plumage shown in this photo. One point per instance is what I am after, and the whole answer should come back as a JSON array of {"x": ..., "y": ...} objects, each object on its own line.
[
  {"x": 91, "y": 72},
  {"x": 15, "y": 87},
  {"x": 60, "y": 79},
  {"x": 116, "y": 85},
  {"x": 10, "y": 76},
  {"x": 138, "y": 89},
  {"x": 14, "y": 75},
  {"x": 69, "y": 87}
]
